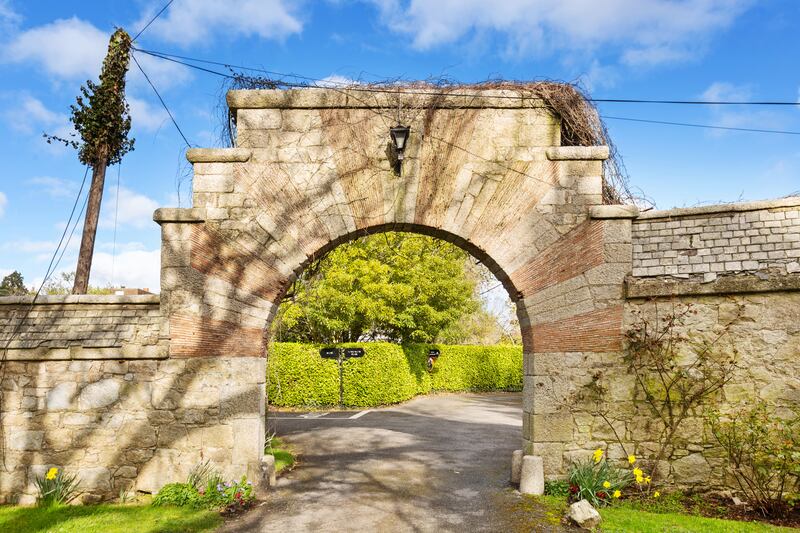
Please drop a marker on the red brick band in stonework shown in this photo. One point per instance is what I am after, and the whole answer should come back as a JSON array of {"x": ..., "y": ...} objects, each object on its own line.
[
  {"x": 196, "y": 336},
  {"x": 596, "y": 331},
  {"x": 578, "y": 251}
]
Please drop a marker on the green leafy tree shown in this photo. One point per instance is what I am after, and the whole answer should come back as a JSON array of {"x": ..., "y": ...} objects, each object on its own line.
[
  {"x": 13, "y": 285},
  {"x": 398, "y": 287}
]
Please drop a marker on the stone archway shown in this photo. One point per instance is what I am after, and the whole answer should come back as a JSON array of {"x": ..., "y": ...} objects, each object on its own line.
[{"x": 313, "y": 168}]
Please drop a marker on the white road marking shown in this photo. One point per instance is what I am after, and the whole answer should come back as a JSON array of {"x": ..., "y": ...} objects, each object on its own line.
[{"x": 359, "y": 415}]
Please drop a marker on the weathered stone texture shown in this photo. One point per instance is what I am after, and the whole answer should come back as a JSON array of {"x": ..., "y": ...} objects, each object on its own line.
[
  {"x": 82, "y": 327},
  {"x": 130, "y": 424},
  {"x": 684, "y": 243}
]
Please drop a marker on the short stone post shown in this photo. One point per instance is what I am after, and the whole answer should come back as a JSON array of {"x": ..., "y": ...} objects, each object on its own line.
[
  {"x": 268, "y": 478},
  {"x": 532, "y": 475},
  {"x": 516, "y": 466}
]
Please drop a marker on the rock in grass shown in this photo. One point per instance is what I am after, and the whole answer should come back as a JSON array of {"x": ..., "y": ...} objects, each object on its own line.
[{"x": 583, "y": 514}]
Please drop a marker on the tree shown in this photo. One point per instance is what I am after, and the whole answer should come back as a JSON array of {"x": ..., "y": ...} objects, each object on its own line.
[
  {"x": 13, "y": 285},
  {"x": 101, "y": 118},
  {"x": 399, "y": 287}
]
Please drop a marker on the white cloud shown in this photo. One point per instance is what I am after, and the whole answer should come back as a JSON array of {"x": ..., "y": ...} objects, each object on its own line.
[
  {"x": 3, "y": 203},
  {"x": 56, "y": 187},
  {"x": 133, "y": 268},
  {"x": 67, "y": 48},
  {"x": 643, "y": 32},
  {"x": 135, "y": 209},
  {"x": 31, "y": 116},
  {"x": 8, "y": 17},
  {"x": 146, "y": 116},
  {"x": 190, "y": 22},
  {"x": 73, "y": 49}
]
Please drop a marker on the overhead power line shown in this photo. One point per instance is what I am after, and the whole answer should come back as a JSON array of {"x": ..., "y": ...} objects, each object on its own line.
[
  {"x": 174, "y": 58},
  {"x": 163, "y": 103},
  {"x": 708, "y": 126},
  {"x": 384, "y": 89},
  {"x": 153, "y": 19}
]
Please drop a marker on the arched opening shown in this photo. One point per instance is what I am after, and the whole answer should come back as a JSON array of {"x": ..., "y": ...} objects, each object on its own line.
[{"x": 440, "y": 449}]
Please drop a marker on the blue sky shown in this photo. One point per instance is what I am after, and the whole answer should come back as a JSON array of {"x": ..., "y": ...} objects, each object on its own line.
[{"x": 689, "y": 49}]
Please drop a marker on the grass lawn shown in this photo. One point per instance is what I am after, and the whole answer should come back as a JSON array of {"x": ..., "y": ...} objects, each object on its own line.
[
  {"x": 627, "y": 518},
  {"x": 284, "y": 458},
  {"x": 107, "y": 519}
]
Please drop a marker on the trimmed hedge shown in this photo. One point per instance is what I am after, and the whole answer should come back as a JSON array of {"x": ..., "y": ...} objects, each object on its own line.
[{"x": 388, "y": 373}]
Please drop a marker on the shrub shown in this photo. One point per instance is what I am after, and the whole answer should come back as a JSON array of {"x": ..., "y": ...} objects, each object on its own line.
[
  {"x": 56, "y": 487},
  {"x": 558, "y": 488},
  {"x": 179, "y": 495},
  {"x": 597, "y": 480},
  {"x": 763, "y": 453},
  {"x": 388, "y": 373}
]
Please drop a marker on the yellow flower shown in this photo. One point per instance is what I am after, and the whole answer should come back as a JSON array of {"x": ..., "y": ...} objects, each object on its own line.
[
  {"x": 617, "y": 494},
  {"x": 638, "y": 472},
  {"x": 606, "y": 485},
  {"x": 52, "y": 473},
  {"x": 598, "y": 454},
  {"x": 656, "y": 494},
  {"x": 647, "y": 480},
  {"x": 631, "y": 459}
]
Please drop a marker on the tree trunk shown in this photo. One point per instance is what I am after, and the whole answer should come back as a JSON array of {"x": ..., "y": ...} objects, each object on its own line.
[{"x": 84, "y": 268}]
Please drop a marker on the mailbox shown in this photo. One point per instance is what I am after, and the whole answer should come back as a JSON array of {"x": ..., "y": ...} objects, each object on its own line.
[
  {"x": 329, "y": 353},
  {"x": 354, "y": 352}
]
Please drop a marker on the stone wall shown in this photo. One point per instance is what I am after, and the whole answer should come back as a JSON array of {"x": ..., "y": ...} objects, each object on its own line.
[
  {"x": 732, "y": 264},
  {"x": 707, "y": 242},
  {"x": 129, "y": 424},
  {"x": 82, "y": 327}
]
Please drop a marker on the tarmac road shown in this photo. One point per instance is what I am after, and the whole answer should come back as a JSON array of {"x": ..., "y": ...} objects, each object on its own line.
[{"x": 435, "y": 463}]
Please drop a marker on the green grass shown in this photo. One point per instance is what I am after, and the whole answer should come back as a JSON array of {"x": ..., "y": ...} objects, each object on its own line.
[
  {"x": 107, "y": 519},
  {"x": 625, "y": 517},
  {"x": 284, "y": 458}
]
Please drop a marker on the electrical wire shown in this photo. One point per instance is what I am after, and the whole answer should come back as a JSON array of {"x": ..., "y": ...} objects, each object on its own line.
[
  {"x": 172, "y": 58},
  {"x": 690, "y": 125},
  {"x": 153, "y": 20},
  {"x": 163, "y": 103},
  {"x": 349, "y": 86}
]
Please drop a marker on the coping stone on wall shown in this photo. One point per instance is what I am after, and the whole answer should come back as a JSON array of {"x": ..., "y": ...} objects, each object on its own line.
[
  {"x": 218, "y": 155},
  {"x": 790, "y": 201}
]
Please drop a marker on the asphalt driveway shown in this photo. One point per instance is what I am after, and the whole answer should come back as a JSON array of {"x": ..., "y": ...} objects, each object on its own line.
[{"x": 436, "y": 463}]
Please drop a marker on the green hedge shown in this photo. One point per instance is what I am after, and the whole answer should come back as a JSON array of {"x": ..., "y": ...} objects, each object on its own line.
[{"x": 388, "y": 373}]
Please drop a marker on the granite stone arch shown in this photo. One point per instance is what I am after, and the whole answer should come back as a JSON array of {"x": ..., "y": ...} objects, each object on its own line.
[{"x": 313, "y": 168}]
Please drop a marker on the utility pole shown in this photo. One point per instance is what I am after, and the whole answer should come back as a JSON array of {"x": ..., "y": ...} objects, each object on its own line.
[{"x": 101, "y": 118}]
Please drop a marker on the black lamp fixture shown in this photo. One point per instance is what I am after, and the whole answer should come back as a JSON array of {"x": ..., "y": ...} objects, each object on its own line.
[{"x": 399, "y": 138}]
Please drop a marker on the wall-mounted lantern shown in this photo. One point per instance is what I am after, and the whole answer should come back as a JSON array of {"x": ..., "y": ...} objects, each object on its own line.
[{"x": 399, "y": 138}]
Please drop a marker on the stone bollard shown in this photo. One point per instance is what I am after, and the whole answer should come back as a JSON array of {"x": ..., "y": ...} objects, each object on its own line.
[
  {"x": 531, "y": 479},
  {"x": 516, "y": 466},
  {"x": 268, "y": 478}
]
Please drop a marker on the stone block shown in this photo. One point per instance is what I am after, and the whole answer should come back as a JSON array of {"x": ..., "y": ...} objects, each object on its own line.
[
  {"x": 25, "y": 441},
  {"x": 99, "y": 394},
  {"x": 532, "y": 475},
  {"x": 268, "y": 475},
  {"x": 516, "y": 466},
  {"x": 583, "y": 515}
]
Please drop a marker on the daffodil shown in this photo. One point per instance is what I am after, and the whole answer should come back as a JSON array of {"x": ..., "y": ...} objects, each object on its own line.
[
  {"x": 598, "y": 454},
  {"x": 617, "y": 494},
  {"x": 647, "y": 480},
  {"x": 52, "y": 473},
  {"x": 631, "y": 459},
  {"x": 656, "y": 494},
  {"x": 638, "y": 472},
  {"x": 606, "y": 485}
]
